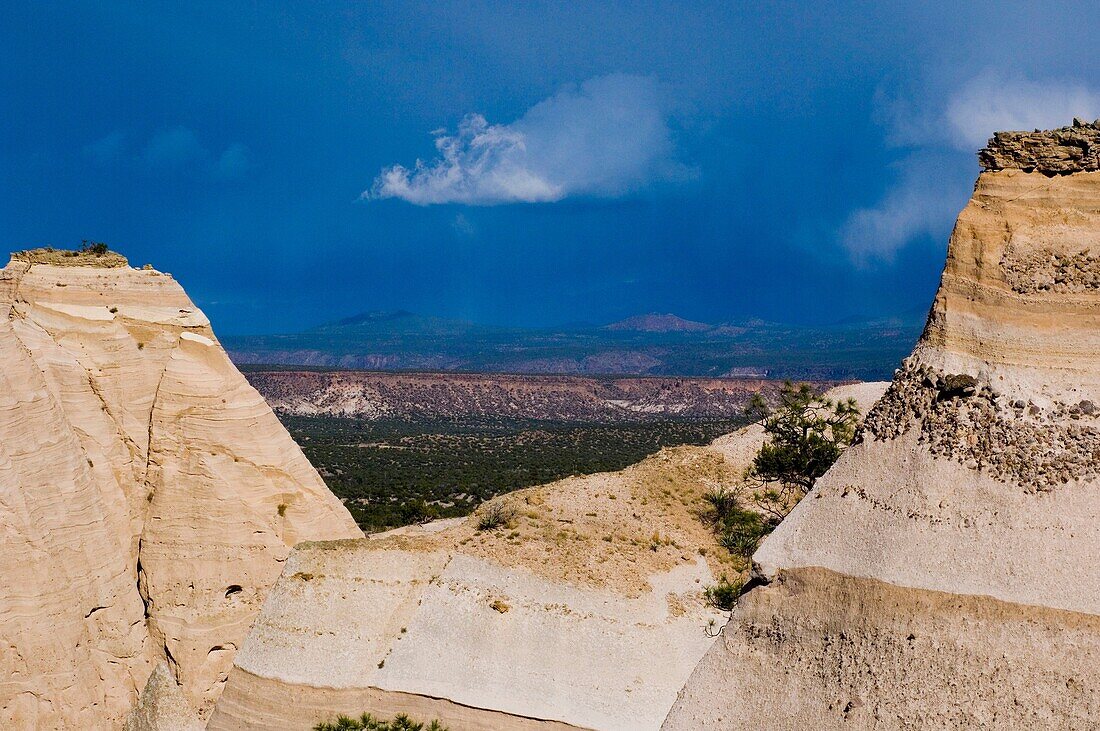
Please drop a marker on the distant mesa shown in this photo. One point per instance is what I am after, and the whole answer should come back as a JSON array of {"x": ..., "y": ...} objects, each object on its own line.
[
  {"x": 656, "y": 323},
  {"x": 406, "y": 341}
]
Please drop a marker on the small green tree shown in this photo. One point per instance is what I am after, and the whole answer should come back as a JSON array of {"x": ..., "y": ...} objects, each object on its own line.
[
  {"x": 97, "y": 248},
  {"x": 806, "y": 433}
]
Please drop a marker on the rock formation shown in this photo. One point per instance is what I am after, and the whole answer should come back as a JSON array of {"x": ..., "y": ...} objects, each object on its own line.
[
  {"x": 585, "y": 611},
  {"x": 148, "y": 496},
  {"x": 944, "y": 573},
  {"x": 1074, "y": 149}
]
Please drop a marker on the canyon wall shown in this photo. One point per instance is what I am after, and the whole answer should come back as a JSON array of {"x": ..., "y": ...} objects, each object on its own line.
[
  {"x": 944, "y": 573},
  {"x": 148, "y": 496}
]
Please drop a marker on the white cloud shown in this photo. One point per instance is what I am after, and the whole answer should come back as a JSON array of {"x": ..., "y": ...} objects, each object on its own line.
[
  {"x": 990, "y": 103},
  {"x": 606, "y": 138},
  {"x": 924, "y": 202},
  {"x": 935, "y": 178}
]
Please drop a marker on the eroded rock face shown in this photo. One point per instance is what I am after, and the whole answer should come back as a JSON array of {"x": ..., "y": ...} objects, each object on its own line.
[
  {"x": 148, "y": 497},
  {"x": 944, "y": 573},
  {"x": 585, "y": 611}
]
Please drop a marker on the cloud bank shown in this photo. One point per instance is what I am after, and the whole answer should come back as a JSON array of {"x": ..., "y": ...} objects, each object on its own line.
[
  {"x": 990, "y": 103},
  {"x": 606, "y": 138},
  {"x": 919, "y": 204},
  {"x": 934, "y": 179},
  {"x": 174, "y": 148}
]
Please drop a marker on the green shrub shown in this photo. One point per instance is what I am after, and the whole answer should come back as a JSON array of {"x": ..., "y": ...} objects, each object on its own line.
[
  {"x": 806, "y": 433},
  {"x": 737, "y": 529},
  {"x": 722, "y": 501},
  {"x": 97, "y": 248},
  {"x": 417, "y": 511},
  {"x": 367, "y": 722},
  {"x": 495, "y": 514},
  {"x": 723, "y": 595}
]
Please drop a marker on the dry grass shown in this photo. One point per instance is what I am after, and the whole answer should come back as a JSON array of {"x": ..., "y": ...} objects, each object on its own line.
[
  {"x": 573, "y": 531},
  {"x": 612, "y": 530},
  {"x": 70, "y": 258}
]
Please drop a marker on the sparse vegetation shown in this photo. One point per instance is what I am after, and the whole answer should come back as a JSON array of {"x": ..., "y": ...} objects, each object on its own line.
[
  {"x": 739, "y": 529},
  {"x": 95, "y": 248},
  {"x": 367, "y": 722},
  {"x": 393, "y": 473},
  {"x": 90, "y": 253},
  {"x": 495, "y": 514},
  {"x": 806, "y": 434},
  {"x": 723, "y": 595}
]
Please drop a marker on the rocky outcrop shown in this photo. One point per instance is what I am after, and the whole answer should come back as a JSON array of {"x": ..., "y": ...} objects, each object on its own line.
[
  {"x": 1073, "y": 149},
  {"x": 162, "y": 706},
  {"x": 585, "y": 610},
  {"x": 943, "y": 573},
  {"x": 148, "y": 496}
]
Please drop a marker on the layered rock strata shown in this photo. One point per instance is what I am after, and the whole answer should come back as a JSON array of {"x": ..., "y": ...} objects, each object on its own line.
[
  {"x": 148, "y": 496},
  {"x": 944, "y": 573},
  {"x": 585, "y": 610},
  {"x": 1064, "y": 151}
]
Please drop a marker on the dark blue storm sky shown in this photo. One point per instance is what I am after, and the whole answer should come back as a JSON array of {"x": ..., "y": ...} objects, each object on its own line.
[{"x": 579, "y": 161}]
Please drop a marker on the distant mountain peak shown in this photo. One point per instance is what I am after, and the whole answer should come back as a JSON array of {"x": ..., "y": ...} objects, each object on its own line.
[
  {"x": 372, "y": 316},
  {"x": 658, "y": 323}
]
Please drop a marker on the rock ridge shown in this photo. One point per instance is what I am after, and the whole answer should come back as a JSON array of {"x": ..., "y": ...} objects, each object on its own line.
[{"x": 1061, "y": 151}]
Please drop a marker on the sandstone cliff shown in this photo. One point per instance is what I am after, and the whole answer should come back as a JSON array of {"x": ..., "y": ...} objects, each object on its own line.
[
  {"x": 148, "y": 496},
  {"x": 585, "y": 611},
  {"x": 944, "y": 573}
]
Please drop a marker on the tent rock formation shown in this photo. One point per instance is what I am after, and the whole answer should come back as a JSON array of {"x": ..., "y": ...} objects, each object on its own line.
[
  {"x": 148, "y": 495},
  {"x": 944, "y": 573}
]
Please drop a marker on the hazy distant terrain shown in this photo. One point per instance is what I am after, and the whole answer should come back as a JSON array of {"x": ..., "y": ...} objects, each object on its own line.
[
  {"x": 660, "y": 345},
  {"x": 402, "y": 447},
  {"x": 489, "y": 397}
]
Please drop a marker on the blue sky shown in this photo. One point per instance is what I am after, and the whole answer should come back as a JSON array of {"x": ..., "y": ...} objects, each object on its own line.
[{"x": 578, "y": 161}]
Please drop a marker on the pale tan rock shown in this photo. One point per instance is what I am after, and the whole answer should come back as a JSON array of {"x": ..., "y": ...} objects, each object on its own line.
[
  {"x": 585, "y": 611},
  {"x": 162, "y": 706},
  {"x": 944, "y": 573},
  {"x": 140, "y": 479}
]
